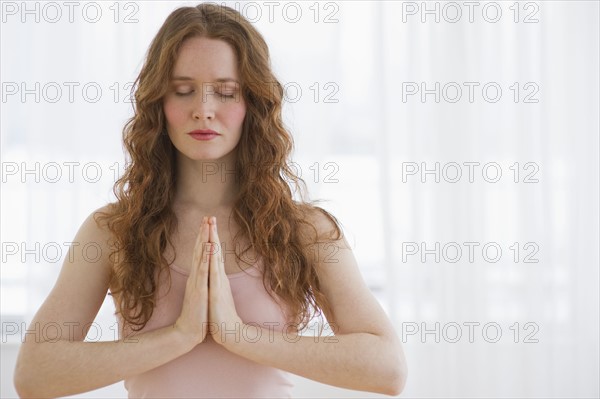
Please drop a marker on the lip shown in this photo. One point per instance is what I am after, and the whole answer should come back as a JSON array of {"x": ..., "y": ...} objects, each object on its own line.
[{"x": 203, "y": 134}]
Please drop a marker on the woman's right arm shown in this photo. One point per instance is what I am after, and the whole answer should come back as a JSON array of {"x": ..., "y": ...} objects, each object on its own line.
[
  {"x": 64, "y": 368},
  {"x": 69, "y": 365}
]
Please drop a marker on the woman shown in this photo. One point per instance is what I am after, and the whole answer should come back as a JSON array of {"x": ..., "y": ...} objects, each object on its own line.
[{"x": 207, "y": 310}]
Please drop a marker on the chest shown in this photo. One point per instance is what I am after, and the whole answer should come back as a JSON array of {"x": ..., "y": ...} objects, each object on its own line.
[{"x": 184, "y": 240}]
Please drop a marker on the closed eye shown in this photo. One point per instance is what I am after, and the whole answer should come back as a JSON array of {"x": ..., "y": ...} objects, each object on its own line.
[{"x": 190, "y": 92}]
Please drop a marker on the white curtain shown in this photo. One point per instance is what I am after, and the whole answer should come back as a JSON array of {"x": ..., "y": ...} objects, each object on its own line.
[{"x": 457, "y": 142}]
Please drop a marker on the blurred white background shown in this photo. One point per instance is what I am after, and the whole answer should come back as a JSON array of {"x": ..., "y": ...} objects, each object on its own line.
[{"x": 456, "y": 142}]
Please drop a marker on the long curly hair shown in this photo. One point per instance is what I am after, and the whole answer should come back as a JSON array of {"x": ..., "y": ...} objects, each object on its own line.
[{"x": 141, "y": 221}]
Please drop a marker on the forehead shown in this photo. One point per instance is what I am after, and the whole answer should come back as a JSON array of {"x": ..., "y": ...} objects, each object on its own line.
[{"x": 205, "y": 59}]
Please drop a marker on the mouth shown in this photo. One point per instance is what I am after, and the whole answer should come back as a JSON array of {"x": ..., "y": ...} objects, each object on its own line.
[{"x": 204, "y": 134}]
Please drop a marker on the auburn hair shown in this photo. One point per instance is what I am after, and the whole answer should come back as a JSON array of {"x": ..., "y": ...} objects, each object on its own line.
[{"x": 141, "y": 220}]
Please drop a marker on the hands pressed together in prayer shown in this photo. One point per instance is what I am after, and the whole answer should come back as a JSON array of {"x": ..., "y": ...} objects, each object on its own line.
[{"x": 208, "y": 306}]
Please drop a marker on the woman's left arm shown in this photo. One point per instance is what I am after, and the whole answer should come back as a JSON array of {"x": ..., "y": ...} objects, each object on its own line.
[{"x": 364, "y": 354}]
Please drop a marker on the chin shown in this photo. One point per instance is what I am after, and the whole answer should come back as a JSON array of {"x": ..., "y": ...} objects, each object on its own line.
[
  {"x": 204, "y": 158},
  {"x": 211, "y": 156}
]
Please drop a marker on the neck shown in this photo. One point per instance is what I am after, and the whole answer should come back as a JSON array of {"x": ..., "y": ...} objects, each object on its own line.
[{"x": 207, "y": 186}]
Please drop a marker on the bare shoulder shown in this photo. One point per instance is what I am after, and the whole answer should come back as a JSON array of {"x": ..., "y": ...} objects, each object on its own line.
[
  {"x": 99, "y": 225},
  {"x": 353, "y": 306},
  {"x": 328, "y": 227},
  {"x": 94, "y": 232},
  {"x": 82, "y": 284}
]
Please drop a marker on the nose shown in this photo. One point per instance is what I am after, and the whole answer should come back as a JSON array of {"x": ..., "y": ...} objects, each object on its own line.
[{"x": 204, "y": 108}]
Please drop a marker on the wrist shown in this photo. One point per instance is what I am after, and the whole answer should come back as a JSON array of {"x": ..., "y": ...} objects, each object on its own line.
[
  {"x": 235, "y": 338},
  {"x": 183, "y": 341}
]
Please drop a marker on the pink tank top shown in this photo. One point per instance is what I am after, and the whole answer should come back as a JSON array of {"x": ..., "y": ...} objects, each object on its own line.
[{"x": 209, "y": 370}]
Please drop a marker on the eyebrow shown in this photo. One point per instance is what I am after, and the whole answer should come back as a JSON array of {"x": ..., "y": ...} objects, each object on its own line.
[{"x": 220, "y": 80}]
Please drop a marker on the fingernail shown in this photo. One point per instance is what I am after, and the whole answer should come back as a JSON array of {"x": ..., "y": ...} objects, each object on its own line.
[{"x": 214, "y": 220}]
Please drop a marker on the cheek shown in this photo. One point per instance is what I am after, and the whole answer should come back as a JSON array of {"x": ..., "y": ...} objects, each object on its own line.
[
  {"x": 173, "y": 113},
  {"x": 236, "y": 114}
]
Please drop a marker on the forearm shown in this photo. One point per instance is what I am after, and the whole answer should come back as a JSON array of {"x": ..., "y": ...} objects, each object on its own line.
[
  {"x": 63, "y": 368},
  {"x": 359, "y": 361}
]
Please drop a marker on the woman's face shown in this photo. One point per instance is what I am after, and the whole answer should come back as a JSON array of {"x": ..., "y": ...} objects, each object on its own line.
[{"x": 204, "y": 93}]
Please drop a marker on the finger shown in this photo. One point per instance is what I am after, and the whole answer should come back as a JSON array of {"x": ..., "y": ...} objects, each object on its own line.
[
  {"x": 212, "y": 221},
  {"x": 214, "y": 235},
  {"x": 213, "y": 238},
  {"x": 198, "y": 248},
  {"x": 200, "y": 266},
  {"x": 214, "y": 262},
  {"x": 220, "y": 260},
  {"x": 205, "y": 266},
  {"x": 205, "y": 248}
]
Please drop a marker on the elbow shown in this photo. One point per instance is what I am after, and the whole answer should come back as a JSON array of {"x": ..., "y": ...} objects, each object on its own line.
[
  {"x": 398, "y": 374},
  {"x": 20, "y": 383},
  {"x": 22, "y": 391},
  {"x": 396, "y": 384},
  {"x": 25, "y": 389},
  {"x": 23, "y": 380},
  {"x": 19, "y": 377}
]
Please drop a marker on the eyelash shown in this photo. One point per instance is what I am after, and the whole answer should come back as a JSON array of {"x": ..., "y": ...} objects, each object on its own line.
[{"x": 187, "y": 94}]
